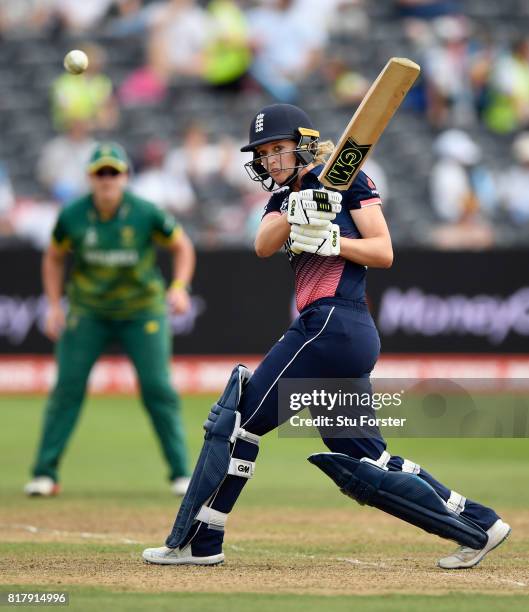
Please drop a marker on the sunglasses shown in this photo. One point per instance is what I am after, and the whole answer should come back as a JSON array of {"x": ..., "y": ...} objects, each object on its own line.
[{"x": 107, "y": 172}]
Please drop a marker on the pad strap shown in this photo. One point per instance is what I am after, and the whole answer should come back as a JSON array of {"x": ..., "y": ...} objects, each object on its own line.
[
  {"x": 381, "y": 462},
  {"x": 213, "y": 518},
  {"x": 456, "y": 502},
  {"x": 242, "y": 434},
  {"x": 236, "y": 427},
  {"x": 410, "y": 467},
  {"x": 241, "y": 467}
]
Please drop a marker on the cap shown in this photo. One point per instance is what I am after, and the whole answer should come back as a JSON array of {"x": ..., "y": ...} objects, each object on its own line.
[
  {"x": 279, "y": 122},
  {"x": 108, "y": 155}
]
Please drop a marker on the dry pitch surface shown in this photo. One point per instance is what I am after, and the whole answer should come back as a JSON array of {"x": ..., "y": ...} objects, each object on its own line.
[
  {"x": 294, "y": 542},
  {"x": 328, "y": 553}
]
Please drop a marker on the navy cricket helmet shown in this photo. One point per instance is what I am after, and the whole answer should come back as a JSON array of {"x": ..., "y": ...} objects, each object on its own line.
[{"x": 281, "y": 122}]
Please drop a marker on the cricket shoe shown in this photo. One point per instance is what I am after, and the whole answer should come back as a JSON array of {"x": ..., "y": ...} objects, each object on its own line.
[
  {"x": 180, "y": 485},
  {"x": 42, "y": 486},
  {"x": 469, "y": 557},
  {"x": 177, "y": 556}
]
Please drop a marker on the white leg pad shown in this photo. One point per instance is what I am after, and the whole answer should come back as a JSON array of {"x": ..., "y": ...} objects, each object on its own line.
[
  {"x": 213, "y": 518},
  {"x": 456, "y": 502}
]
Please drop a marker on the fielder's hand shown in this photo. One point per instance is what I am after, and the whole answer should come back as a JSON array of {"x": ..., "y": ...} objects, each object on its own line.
[
  {"x": 55, "y": 322},
  {"x": 323, "y": 241},
  {"x": 178, "y": 298},
  {"x": 313, "y": 207}
]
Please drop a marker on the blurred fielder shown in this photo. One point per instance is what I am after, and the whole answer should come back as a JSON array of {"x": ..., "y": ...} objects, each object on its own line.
[
  {"x": 330, "y": 239},
  {"x": 115, "y": 293}
]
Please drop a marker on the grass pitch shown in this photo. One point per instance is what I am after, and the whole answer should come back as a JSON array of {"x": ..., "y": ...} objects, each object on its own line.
[{"x": 293, "y": 543}]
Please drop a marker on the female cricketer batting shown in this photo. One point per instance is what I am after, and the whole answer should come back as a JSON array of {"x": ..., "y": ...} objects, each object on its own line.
[
  {"x": 331, "y": 240},
  {"x": 117, "y": 294}
]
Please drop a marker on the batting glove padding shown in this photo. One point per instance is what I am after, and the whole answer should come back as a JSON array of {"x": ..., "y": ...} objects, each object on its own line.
[
  {"x": 313, "y": 207},
  {"x": 323, "y": 241}
]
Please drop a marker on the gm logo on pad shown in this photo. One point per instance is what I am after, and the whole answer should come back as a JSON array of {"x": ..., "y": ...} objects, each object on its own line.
[{"x": 240, "y": 467}]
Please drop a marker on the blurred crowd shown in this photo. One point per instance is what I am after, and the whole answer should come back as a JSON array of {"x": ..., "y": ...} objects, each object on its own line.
[{"x": 474, "y": 83}]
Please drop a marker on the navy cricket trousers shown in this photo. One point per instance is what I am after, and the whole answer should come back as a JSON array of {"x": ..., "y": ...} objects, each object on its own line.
[{"x": 332, "y": 338}]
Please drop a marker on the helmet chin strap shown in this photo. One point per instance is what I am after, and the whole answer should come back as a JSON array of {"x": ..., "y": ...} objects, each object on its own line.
[{"x": 291, "y": 179}]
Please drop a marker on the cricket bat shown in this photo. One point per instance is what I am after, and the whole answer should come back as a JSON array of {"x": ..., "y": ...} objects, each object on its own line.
[{"x": 369, "y": 121}]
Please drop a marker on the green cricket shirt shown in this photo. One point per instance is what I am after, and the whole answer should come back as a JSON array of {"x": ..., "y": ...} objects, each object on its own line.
[{"x": 114, "y": 271}]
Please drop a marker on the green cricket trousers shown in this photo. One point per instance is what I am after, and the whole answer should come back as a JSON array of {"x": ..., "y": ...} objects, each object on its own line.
[{"x": 146, "y": 341}]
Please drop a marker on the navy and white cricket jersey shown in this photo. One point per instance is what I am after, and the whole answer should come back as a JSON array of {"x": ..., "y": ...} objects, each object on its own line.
[{"x": 316, "y": 276}]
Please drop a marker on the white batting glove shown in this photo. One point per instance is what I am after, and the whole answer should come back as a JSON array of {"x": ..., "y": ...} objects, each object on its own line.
[
  {"x": 313, "y": 207},
  {"x": 323, "y": 241}
]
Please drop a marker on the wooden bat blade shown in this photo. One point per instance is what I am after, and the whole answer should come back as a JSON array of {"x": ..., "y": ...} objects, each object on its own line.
[{"x": 369, "y": 121}]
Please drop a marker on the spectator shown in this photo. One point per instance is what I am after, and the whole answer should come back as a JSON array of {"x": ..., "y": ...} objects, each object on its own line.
[
  {"x": 178, "y": 32},
  {"x": 171, "y": 191},
  {"x": 462, "y": 193},
  {"x": 208, "y": 167},
  {"x": 508, "y": 106},
  {"x": 178, "y": 36},
  {"x": 227, "y": 56},
  {"x": 77, "y": 17},
  {"x": 24, "y": 14},
  {"x": 201, "y": 160},
  {"x": 514, "y": 186},
  {"x": 130, "y": 18},
  {"x": 348, "y": 86},
  {"x": 32, "y": 221},
  {"x": 87, "y": 97},
  {"x": 481, "y": 67},
  {"x": 447, "y": 73},
  {"x": 345, "y": 17},
  {"x": 286, "y": 49},
  {"x": 61, "y": 166},
  {"x": 341, "y": 17},
  {"x": 23, "y": 218}
]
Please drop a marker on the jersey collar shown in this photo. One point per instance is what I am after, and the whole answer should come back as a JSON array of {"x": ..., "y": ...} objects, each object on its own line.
[{"x": 121, "y": 211}]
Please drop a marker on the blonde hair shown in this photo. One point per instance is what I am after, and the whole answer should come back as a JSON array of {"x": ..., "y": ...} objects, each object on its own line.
[{"x": 324, "y": 151}]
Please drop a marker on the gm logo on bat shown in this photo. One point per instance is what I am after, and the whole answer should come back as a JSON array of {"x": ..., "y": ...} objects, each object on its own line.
[{"x": 346, "y": 163}]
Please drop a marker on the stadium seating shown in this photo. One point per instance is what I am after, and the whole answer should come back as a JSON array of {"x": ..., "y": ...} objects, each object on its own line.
[{"x": 25, "y": 106}]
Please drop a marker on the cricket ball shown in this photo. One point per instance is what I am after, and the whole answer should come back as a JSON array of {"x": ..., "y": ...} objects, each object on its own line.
[{"x": 76, "y": 61}]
